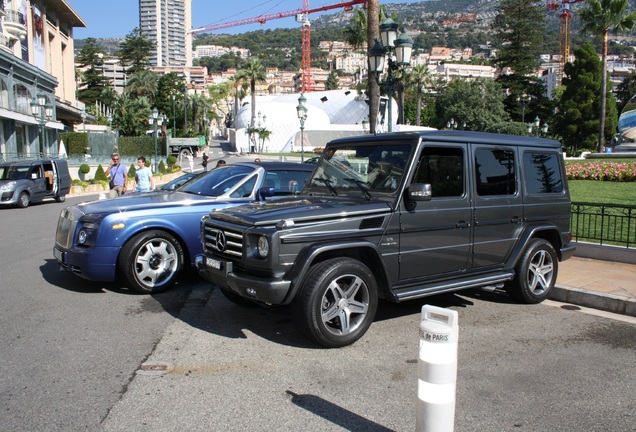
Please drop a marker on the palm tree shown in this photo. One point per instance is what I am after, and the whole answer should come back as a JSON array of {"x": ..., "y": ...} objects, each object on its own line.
[
  {"x": 420, "y": 77},
  {"x": 253, "y": 71},
  {"x": 601, "y": 17},
  {"x": 356, "y": 32},
  {"x": 200, "y": 106},
  {"x": 143, "y": 83}
]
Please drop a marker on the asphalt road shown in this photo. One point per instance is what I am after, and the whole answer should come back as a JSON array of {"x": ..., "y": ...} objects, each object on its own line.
[{"x": 77, "y": 355}]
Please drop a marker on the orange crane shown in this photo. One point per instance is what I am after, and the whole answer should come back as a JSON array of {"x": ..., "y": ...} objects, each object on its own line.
[
  {"x": 302, "y": 16},
  {"x": 564, "y": 27}
]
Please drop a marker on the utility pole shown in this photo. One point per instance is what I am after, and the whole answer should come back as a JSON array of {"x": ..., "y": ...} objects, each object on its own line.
[{"x": 373, "y": 32}]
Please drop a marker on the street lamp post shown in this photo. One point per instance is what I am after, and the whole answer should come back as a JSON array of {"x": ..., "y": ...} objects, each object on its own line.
[
  {"x": 402, "y": 46},
  {"x": 535, "y": 127},
  {"x": 43, "y": 112},
  {"x": 451, "y": 124},
  {"x": 155, "y": 120},
  {"x": 365, "y": 125},
  {"x": 301, "y": 110},
  {"x": 523, "y": 101},
  {"x": 174, "y": 116}
]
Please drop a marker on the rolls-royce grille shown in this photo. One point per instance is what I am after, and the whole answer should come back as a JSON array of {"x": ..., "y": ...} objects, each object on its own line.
[
  {"x": 66, "y": 225},
  {"x": 223, "y": 241}
]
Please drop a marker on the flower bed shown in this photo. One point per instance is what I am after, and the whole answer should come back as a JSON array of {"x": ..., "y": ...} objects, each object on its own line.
[{"x": 603, "y": 171}]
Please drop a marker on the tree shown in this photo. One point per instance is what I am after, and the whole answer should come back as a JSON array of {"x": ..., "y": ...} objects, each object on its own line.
[
  {"x": 200, "y": 106},
  {"x": 578, "y": 107},
  {"x": 518, "y": 33},
  {"x": 601, "y": 17},
  {"x": 356, "y": 32},
  {"x": 332, "y": 82},
  {"x": 373, "y": 33},
  {"x": 420, "y": 78},
  {"x": 142, "y": 83},
  {"x": 93, "y": 82},
  {"x": 131, "y": 115},
  {"x": 135, "y": 51},
  {"x": 626, "y": 90},
  {"x": 254, "y": 72},
  {"x": 477, "y": 104}
]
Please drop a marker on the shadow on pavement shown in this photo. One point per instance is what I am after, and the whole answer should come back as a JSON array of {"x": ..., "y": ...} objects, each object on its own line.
[{"x": 335, "y": 414}]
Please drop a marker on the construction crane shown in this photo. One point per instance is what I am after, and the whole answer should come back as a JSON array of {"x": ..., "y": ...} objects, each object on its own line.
[
  {"x": 564, "y": 28},
  {"x": 302, "y": 16}
]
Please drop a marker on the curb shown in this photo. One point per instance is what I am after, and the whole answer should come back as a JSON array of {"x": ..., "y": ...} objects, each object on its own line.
[{"x": 606, "y": 302}]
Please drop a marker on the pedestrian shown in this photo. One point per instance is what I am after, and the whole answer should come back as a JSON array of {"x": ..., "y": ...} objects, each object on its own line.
[
  {"x": 220, "y": 163},
  {"x": 190, "y": 160},
  {"x": 205, "y": 161},
  {"x": 257, "y": 160},
  {"x": 118, "y": 176},
  {"x": 144, "y": 181}
]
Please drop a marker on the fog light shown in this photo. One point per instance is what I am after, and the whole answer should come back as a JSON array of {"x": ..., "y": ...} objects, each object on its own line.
[
  {"x": 81, "y": 238},
  {"x": 250, "y": 292},
  {"x": 263, "y": 247}
]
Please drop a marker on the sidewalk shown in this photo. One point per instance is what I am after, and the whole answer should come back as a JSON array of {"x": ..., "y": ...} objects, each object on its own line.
[{"x": 597, "y": 284}]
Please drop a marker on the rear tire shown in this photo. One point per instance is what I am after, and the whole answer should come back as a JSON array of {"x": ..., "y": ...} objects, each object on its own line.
[
  {"x": 151, "y": 261},
  {"x": 60, "y": 198},
  {"x": 336, "y": 303},
  {"x": 536, "y": 273}
]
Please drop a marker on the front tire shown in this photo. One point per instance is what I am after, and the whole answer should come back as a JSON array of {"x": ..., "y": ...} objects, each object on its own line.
[
  {"x": 536, "y": 273},
  {"x": 60, "y": 198},
  {"x": 24, "y": 200},
  {"x": 336, "y": 303},
  {"x": 151, "y": 261}
]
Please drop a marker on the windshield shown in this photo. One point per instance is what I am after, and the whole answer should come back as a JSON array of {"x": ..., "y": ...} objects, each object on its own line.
[
  {"x": 218, "y": 181},
  {"x": 364, "y": 169},
  {"x": 14, "y": 172}
]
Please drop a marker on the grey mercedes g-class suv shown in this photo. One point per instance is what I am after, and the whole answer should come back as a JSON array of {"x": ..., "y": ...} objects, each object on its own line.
[{"x": 397, "y": 216}]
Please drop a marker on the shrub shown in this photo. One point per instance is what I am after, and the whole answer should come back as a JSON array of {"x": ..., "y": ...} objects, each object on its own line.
[
  {"x": 100, "y": 174},
  {"x": 132, "y": 171},
  {"x": 84, "y": 168},
  {"x": 162, "y": 168}
]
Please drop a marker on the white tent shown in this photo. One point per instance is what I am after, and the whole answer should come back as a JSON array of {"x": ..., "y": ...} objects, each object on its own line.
[{"x": 61, "y": 153}]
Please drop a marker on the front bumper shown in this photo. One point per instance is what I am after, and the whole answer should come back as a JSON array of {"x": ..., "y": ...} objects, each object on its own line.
[
  {"x": 264, "y": 290},
  {"x": 96, "y": 264}
]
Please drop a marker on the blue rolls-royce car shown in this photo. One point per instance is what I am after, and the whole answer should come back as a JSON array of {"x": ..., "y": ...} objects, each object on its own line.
[{"x": 147, "y": 239}]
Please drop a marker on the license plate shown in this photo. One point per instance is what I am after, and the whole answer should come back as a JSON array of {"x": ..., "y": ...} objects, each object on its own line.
[
  {"x": 58, "y": 255},
  {"x": 215, "y": 264}
]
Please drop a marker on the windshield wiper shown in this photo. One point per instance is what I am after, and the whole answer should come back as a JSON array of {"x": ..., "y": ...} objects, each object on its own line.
[
  {"x": 329, "y": 185},
  {"x": 362, "y": 185}
]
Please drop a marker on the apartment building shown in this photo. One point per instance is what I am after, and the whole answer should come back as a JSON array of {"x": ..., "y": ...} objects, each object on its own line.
[
  {"x": 37, "y": 76},
  {"x": 218, "y": 51},
  {"x": 168, "y": 24}
]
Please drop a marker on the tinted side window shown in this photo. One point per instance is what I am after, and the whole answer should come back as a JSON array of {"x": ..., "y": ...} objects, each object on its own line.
[
  {"x": 542, "y": 173},
  {"x": 495, "y": 172},
  {"x": 443, "y": 169}
]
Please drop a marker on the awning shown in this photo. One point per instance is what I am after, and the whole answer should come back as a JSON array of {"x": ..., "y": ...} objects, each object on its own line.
[{"x": 24, "y": 118}]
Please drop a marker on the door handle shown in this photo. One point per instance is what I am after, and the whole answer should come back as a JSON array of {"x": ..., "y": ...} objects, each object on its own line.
[
  {"x": 462, "y": 224},
  {"x": 515, "y": 219}
]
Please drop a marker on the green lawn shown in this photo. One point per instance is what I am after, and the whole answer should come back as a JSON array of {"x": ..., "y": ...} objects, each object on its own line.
[{"x": 603, "y": 192}]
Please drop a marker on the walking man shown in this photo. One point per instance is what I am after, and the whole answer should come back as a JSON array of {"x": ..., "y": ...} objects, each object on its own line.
[
  {"x": 118, "y": 176},
  {"x": 144, "y": 181}
]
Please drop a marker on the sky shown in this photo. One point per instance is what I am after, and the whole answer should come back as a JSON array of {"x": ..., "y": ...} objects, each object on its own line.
[{"x": 117, "y": 18}]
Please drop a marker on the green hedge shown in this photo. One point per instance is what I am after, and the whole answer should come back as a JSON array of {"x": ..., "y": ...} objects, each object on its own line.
[{"x": 77, "y": 143}]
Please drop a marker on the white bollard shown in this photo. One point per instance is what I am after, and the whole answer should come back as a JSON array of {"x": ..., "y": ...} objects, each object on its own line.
[{"x": 437, "y": 370}]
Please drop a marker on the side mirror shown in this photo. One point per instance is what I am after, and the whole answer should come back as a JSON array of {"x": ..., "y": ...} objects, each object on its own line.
[
  {"x": 419, "y": 192},
  {"x": 266, "y": 192}
]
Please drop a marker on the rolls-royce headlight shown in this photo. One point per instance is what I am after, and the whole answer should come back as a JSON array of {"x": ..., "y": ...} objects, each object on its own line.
[
  {"x": 263, "y": 247},
  {"x": 82, "y": 237}
]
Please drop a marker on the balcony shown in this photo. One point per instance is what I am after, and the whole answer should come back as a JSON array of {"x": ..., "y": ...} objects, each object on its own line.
[
  {"x": 15, "y": 24},
  {"x": 5, "y": 43}
]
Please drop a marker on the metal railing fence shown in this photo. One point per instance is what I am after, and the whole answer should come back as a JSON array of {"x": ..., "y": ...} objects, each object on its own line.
[{"x": 605, "y": 224}]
